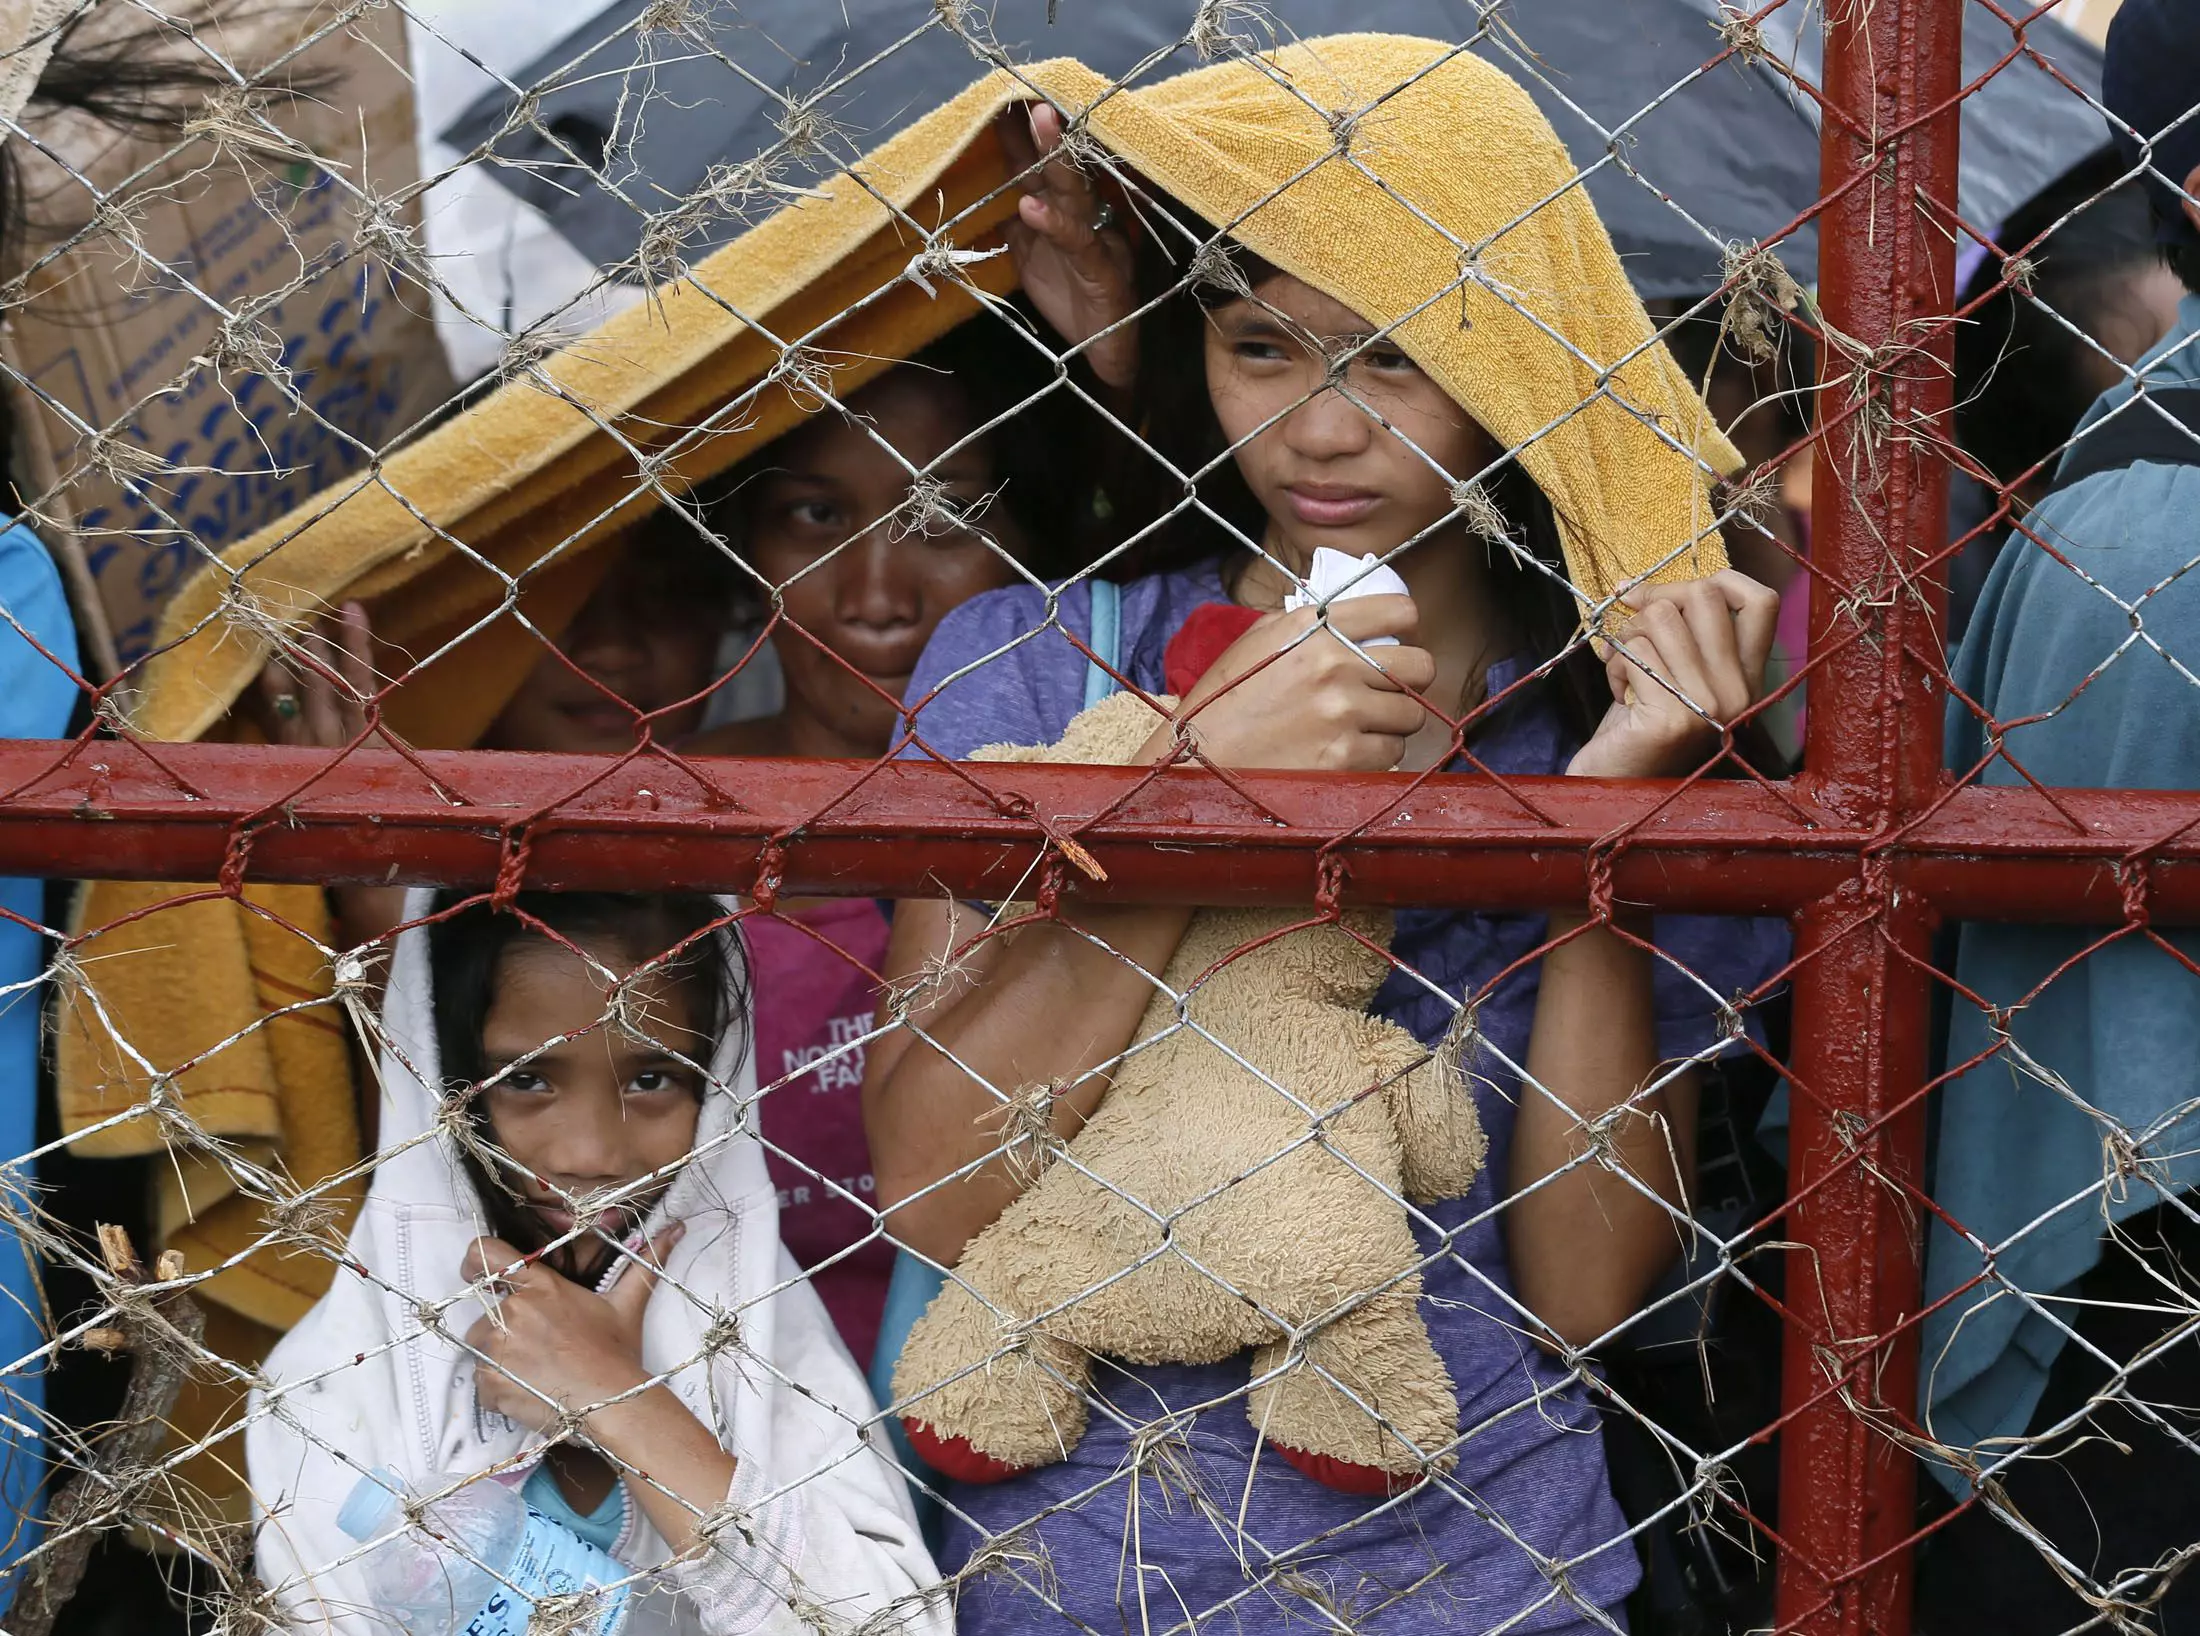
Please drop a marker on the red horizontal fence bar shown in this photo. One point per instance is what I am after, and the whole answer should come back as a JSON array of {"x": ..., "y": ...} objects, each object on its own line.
[{"x": 911, "y": 829}]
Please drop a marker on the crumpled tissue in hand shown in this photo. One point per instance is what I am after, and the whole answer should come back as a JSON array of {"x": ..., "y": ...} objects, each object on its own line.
[{"x": 1334, "y": 576}]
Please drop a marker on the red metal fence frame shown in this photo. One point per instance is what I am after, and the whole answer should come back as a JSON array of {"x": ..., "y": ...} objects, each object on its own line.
[{"x": 1867, "y": 850}]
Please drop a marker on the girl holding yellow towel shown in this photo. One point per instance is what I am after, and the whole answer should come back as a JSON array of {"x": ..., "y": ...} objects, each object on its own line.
[{"x": 1371, "y": 317}]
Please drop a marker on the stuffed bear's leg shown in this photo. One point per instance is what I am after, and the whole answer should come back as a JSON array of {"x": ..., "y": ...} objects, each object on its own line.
[
  {"x": 983, "y": 1397},
  {"x": 1398, "y": 1418}
]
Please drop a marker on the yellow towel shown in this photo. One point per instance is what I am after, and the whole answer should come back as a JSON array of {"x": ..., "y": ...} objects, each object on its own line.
[
  {"x": 1544, "y": 343},
  {"x": 231, "y": 998},
  {"x": 223, "y": 996}
]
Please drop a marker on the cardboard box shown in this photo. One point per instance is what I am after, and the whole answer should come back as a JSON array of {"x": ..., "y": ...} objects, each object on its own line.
[{"x": 202, "y": 435}]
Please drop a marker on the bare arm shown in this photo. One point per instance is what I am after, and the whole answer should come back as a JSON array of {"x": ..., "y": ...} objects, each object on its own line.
[
  {"x": 1586, "y": 1246},
  {"x": 1041, "y": 1006},
  {"x": 684, "y": 1475}
]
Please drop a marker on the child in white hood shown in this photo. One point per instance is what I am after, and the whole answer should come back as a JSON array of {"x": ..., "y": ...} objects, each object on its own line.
[{"x": 571, "y": 1226}]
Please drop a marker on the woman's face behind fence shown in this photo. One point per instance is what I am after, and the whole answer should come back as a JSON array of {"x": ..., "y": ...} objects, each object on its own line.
[
  {"x": 585, "y": 1104},
  {"x": 1329, "y": 472},
  {"x": 643, "y": 643},
  {"x": 867, "y": 561}
]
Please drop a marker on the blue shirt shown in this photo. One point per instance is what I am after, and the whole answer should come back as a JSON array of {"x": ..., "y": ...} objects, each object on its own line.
[
  {"x": 2120, "y": 1030},
  {"x": 600, "y": 1527},
  {"x": 36, "y": 696},
  {"x": 1531, "y": 1454}
]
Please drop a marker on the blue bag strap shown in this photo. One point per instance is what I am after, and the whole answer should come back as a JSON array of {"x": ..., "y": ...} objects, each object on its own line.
[
  {"x": 1106, "y": 640},
  {"x": 908, "y": 1293}
]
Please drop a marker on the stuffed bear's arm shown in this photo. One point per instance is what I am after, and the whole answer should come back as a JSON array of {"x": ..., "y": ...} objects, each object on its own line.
[{"x": 1109, "y": 734}]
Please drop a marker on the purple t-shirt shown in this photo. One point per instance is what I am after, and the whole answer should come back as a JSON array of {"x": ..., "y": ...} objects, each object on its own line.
[
  {"x": 810, "y": 977},
  {"x": 1528, "y": 1503}
]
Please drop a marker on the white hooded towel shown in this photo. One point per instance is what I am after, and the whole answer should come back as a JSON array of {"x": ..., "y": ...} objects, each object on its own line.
[{"x": 820, "y": 1533}]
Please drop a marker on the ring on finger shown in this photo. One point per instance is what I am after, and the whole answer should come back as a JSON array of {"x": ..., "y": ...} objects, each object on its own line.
[
  {"x": 1104, "y": 217},
  {"x": 286, "y": 706}
]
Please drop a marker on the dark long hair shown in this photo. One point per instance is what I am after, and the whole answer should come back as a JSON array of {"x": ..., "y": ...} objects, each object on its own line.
[
  {"x": 2021, "y": 385},
  {"x": 1179, "y": 419},
  {"x": 466, "y": 954},
  {"x": 145, "y": 80}
]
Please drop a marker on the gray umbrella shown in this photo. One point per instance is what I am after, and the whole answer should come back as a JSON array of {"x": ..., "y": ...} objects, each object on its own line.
[{"x": 1680, "y": 160}]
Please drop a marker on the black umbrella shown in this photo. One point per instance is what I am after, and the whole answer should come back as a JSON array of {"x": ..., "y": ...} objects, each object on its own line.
[{"x": 1680, "y": 160}]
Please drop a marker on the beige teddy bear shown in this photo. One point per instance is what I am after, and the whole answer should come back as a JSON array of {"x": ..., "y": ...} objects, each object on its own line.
[{"x": 1238, "y": 1187}]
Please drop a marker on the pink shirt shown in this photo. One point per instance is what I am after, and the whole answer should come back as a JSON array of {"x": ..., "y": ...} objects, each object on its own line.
[{"x": 812, "y": 972}]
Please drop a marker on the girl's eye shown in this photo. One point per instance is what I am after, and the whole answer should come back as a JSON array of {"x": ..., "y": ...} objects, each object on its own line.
[
  {"x": 1387, "y": 359},
  {"x": 654, "y": 1082},
  {"x": 523, "y": 1082},
  {"x": 1255, "y": 349},
  {"x": 822, "y": 514}
]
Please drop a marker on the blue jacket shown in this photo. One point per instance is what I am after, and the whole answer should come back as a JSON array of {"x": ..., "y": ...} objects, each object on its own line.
[
  {"x": 2024, "y": 1149},
  {"x": 36, "y": 697}
]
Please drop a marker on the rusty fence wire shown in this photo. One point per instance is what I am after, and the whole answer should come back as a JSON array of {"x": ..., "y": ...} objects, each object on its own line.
[{"x": 541, "y": 647}]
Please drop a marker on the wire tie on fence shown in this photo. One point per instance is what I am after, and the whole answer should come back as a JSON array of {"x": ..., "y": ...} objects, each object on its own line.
[
  {"x": 1330, "y": 874},
  {"x": 721, "y": 1334},
  {"x": 1013, "y": 1549},
  {"x": 1212, "y": 33},
  {"x": 1599, "y": 864},
  {"x": 511, "y": 868},
  {"x": 1470, "y": 497},
  {"x": 1740, "y": 33},
  {"x": 945, "y": 263},
  {"x": 1214, "y": 266},
  {"x": 1762, "y": 292},
  {"x": 2136, "y": 878},
  {"x": 354, "y": 971},
  {"x": 236, "y": 858},
  {"x": 670, "y": 16},
  {"x": 1048, "y": 898},
  {"x": 1067, "y": 846},
  {"x": 771, "y": 875}
]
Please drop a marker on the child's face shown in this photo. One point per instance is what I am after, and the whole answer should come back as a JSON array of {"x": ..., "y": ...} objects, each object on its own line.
[
  {"x": 649, "y": 634},
  {"x": 874, "y": 602},
  {"x": 1329, "y": 473},
  {"x": 595, "y": 1112}
]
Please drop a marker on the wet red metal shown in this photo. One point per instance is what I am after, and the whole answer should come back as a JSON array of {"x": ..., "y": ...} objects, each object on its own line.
[
  {"x": 1879, "y": 516},
  {"x": 176, "y": 812}
]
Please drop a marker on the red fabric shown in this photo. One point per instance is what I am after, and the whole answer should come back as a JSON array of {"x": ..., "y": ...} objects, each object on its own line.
[
  {"x": 1343, "y": 1475},
  {"x": 1204, "y": 637},
  {"x": 812, "y": 999},
  {"x": 954, "y": 1457}
]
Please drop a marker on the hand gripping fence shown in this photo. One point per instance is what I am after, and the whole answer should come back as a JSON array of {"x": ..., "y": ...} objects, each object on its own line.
[{"x": 1739, "y": 1449}]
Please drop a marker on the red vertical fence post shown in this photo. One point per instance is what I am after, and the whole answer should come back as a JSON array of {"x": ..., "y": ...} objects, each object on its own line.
[{"x": 1886, "y": 271}]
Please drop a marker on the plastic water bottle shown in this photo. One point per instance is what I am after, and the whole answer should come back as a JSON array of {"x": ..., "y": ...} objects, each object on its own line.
[{"x": 502, "y": 1558}]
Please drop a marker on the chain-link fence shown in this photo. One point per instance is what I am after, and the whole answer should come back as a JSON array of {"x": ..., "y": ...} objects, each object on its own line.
[{"x": 1048, "y": 817}]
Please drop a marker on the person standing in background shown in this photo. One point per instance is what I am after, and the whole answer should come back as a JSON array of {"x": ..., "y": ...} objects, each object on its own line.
[
  {"x": 2031, "y": 360},
  {"x": 2070, "y": 1334}
]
